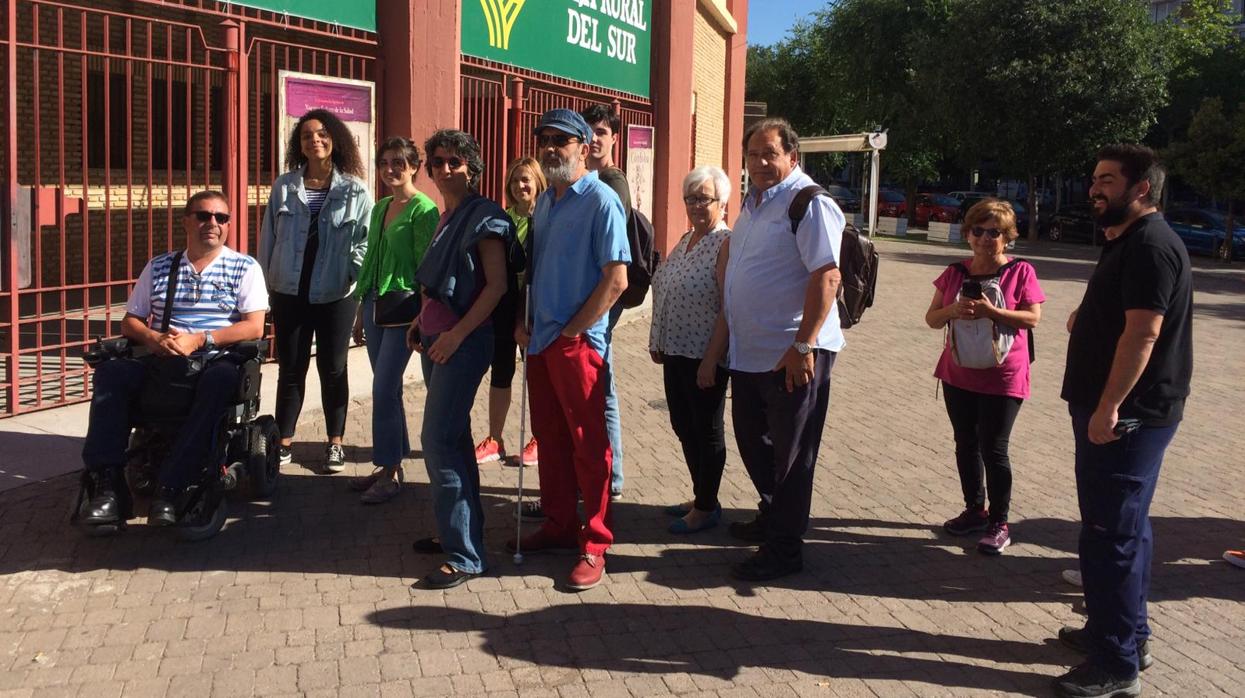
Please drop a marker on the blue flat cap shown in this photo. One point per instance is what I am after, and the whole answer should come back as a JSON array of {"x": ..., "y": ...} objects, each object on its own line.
[{"x": 566, "y": 121}]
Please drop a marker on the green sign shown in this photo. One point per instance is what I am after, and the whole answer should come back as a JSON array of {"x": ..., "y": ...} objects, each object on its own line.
[
  {"x": 600, "y": 42},
  {"x": 360, "y": 14}
]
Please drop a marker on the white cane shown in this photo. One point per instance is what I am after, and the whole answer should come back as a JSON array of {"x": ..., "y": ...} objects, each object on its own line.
[{"x": 518, "y": 507}]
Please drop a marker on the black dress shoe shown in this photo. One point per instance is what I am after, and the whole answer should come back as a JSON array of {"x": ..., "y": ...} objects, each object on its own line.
[
  {"x": 765, "y": 565},
  {"x": 751, "y": 531},
  {"x": 438, "y": 579},
  {"x": 163, "y": 510},
  {"x": 1077, "y": 639},
  {"x": 105, "y": 506},
  {"x": 1090, "y": 681}
]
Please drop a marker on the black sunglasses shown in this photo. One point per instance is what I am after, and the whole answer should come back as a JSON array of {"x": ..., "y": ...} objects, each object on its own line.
[
  {"x": 994, "y": 233},
  {"x": 205, "y": 216},
  {"x": 558, "y": 140},
  {"x": 454, "y": 162}
]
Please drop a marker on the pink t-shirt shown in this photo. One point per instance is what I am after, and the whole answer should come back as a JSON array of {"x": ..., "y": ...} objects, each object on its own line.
[{"x": 1020, "y": 287}]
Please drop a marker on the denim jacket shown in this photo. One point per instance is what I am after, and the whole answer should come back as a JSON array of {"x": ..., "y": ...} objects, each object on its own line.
[{"x": 343, "y": 226}]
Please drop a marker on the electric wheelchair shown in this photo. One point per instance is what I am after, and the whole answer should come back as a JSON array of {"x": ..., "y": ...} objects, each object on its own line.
[{"x": 245, "y": 452}]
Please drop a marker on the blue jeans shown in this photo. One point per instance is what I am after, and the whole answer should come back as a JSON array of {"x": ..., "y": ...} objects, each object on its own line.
[
  {"x": 449, "y": 452},
  {"x": 1115, "y": 483},
  {"x": 613, "y": 424},
  {"x": 389, "y": 355}
]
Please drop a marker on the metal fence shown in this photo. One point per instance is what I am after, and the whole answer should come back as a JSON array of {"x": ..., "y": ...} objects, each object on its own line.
[{"x": 112, "y": 120}]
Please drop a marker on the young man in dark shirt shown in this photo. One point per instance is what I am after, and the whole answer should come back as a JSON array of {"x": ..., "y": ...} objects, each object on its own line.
[{"x": 1130, "y": 359}]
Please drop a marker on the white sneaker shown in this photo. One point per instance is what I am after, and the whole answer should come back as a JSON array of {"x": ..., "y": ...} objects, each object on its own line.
[{"x": 1072, "y": 577}]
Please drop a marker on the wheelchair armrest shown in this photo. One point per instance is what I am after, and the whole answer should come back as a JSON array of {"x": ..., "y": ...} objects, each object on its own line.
[
  {"x": 255, "y": 349},
  {"x": 107, "y": 349}
]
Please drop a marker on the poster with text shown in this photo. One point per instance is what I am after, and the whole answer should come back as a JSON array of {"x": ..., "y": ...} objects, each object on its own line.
[
  {"x": 640, "y": 168},
  {"x": 352, "y": 101}
]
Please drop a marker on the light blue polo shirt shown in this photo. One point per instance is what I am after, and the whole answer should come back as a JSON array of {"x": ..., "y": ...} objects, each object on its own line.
[
  {"x": 572, "y": 240},
  {"x": 767, "y": 274}
]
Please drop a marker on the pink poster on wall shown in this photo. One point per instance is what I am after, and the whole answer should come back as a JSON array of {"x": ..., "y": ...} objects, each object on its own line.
[
  {"x": 352, "y": 101},
  {"x": 640, "y": 168}
]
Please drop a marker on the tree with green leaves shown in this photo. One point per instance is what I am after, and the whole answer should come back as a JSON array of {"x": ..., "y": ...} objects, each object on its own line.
[
  {"x": 1210, "y": 159},
  {"x": 1038, "y": 87}
]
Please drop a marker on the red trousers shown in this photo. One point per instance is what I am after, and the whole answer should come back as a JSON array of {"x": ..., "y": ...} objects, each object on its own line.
[{"x": 566, "y": 385}]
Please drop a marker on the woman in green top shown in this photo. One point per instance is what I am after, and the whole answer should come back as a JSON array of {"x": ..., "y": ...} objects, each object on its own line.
[
  {"x": 524, "y": 182},
  {"x": 402, "y": 227}
]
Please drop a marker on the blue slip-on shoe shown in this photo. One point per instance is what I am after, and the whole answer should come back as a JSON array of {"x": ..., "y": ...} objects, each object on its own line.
[
  {"x": 680, "y": 527},
  {"x": 679, "y": 509}
]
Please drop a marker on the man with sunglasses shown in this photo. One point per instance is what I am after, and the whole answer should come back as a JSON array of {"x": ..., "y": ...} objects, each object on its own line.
[
  {"x": 578, "y": 270},
  {"x": 1129, "y": 365},
  {"x": 220, "y": 299}
]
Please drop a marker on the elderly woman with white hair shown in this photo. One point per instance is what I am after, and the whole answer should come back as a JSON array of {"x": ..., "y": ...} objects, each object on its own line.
[{"x": 688, "y": 338}]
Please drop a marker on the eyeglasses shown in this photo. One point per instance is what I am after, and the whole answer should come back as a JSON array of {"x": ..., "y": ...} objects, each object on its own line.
[
  {"x": 205, "y": 216},
  {"x": 994, "y": 233},
  {"x": 699, "y": 201},
  {"x": 454, "y": 162},
  {"x": 198, "y": 285},
  {"x": 557, "y": 140}
]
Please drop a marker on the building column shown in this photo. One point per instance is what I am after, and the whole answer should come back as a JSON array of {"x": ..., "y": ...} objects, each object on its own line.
[
  {"x": 674, "y": 23},
  {"x": 732, "y": 137},
  {"x": 420, "y": 87}
]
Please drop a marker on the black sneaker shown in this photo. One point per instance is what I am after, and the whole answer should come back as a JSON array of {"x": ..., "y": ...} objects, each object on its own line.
[
  {"x": 1091, "y": 681},
  {"x": 532, "y": 511},
  {"x": 751, "y": 531},
  {"x": 335, "y": 458},
  {"x": 1077, "y": 640},
  {"x": 765, "y": 565},
  {"x": 285, "y": 455}
]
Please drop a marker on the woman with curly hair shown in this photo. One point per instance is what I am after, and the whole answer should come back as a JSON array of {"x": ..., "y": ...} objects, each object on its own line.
[{"x": 311, "y": 247}]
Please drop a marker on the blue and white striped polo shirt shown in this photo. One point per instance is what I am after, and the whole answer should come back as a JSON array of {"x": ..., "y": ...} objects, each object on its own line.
[{"x": 230, "y": 286}]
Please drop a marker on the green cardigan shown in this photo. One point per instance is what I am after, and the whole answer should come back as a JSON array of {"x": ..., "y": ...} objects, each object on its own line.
[{"x": 395, "y": 251}]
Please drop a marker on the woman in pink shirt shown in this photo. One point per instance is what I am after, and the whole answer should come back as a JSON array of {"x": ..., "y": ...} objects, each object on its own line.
[{"x": 983, "y": 402}]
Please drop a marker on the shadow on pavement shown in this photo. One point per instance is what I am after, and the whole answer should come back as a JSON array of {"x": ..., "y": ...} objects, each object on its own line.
[{"x": 721, "y": 643}]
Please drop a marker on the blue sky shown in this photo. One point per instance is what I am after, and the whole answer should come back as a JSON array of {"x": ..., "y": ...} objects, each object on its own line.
[{"x": 769, "y": 20}]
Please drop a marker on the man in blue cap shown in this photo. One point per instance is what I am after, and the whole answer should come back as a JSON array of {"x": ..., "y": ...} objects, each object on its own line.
[{"x": 579, "y": 257}]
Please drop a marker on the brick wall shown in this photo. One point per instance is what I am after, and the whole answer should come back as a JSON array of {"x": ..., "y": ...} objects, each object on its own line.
[{"x": 709, "y": 84}]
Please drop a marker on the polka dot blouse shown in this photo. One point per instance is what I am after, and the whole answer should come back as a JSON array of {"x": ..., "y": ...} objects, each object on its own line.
[{"x": 686, "y": 297}]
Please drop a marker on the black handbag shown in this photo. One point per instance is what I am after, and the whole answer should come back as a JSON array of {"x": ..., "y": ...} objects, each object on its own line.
[
  {"x": 169, "y": 389},
  {"x": 396, "y": 308}
]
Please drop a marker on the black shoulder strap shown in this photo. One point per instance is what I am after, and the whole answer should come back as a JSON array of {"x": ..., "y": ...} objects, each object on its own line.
[
  {"x": 170, "y": 291},
  {"x": 799, "y": 205}
]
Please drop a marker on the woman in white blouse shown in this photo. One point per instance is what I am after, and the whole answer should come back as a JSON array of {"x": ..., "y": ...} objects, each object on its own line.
[{"x": 688, "y": 338}]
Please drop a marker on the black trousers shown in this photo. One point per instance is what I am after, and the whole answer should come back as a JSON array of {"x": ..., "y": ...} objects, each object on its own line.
[
  {"x": 117, "y": 386},
  {"x": 696, "y": 417},
  {"x": 297, "y": 322},
  {"x": 778, "y": 434},
  {"x": 983, "y": 426}
]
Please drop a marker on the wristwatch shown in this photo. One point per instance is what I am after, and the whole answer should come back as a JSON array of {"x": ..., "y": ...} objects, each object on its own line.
[
  {"x": 208, "y": 342},
  {"x": 802, "y": 348}
]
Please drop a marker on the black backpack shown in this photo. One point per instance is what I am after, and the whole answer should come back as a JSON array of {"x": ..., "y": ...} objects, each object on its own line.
[
  {"x": 644, "y": 259},
  {"x": 858, "y": 261}
]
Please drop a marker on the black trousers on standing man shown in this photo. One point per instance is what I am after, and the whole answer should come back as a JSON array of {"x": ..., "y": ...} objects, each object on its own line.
[{"x": 779, "y": 434}]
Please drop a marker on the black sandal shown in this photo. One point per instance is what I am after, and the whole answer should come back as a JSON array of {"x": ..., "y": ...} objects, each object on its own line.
[
  {"x": 439, "y": 579},
  {"x": 427, "y": 546}
]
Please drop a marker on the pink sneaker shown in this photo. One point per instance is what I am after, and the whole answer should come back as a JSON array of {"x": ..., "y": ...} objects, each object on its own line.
[
  {"x": 488, "y": 451},
  {"x": 529, "y": 456},
  {"x": 967, "y": 522},
  {"x": 997, "y": 537},
  {"x": 1235, "y": 557}
]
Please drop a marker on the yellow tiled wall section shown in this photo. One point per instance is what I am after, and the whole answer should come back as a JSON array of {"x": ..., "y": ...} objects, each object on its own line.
[{"x": 709, "y": 83}]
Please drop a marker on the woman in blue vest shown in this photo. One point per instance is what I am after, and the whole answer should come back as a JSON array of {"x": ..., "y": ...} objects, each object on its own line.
[{"x": 311, "y": 247}]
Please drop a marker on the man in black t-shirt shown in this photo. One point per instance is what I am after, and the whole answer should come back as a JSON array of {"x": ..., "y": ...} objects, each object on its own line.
[{"x": 1130, "y": 359}]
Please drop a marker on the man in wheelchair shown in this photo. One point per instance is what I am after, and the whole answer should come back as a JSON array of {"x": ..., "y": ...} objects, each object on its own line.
[{"x": 218, "y": 299}]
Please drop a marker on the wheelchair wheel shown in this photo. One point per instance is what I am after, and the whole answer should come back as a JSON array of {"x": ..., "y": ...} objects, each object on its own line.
[
  {"x": 264, "y": 462},
  {"x": 205, "y": 517}
]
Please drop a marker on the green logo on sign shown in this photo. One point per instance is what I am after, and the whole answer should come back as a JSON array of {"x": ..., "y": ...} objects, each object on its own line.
[{"x": 500, "y": 16}]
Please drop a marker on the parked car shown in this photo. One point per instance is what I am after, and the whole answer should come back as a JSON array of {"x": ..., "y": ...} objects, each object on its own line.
[
  {"x": 1203, "y": 230},
  {"x": 892, "y": 204},
  {"x": 1075, "y": 222},
  {"x": 1022, "y": 217},
  {"x": 936, "y": 207},
  {"x": 965, "y": 196},
  {"x": 847, "y": 199}
]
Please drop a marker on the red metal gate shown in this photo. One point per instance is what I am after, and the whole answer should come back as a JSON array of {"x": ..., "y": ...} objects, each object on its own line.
[
  {"x": 501, "y": 105},
  {"x": 112, "y": 119}
]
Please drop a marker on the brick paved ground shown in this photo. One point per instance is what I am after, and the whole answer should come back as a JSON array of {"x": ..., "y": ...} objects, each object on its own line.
[{"x": 309, "y": 594}]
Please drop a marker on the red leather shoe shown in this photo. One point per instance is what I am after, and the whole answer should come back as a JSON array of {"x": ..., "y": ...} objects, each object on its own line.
[
  {"x": 539, "y": 541},
  {"x": 587, "y": 572}
]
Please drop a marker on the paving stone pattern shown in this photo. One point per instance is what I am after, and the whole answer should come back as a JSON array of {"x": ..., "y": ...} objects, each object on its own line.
[{"x": 309, "y": 594}]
